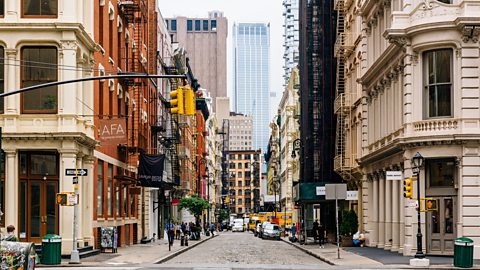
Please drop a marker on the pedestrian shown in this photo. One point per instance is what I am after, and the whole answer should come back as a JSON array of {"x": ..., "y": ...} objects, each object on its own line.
[
  {"x": 294, "y": 231},
  {"x": 178, "y": 230},
  {"x": 212, "y": 229},
  {"x": 315, "y": 231},
  {"x": 11, "y": 235},
  {"x": 322, "y": 233},
  {"x": 170, "y": 232}
]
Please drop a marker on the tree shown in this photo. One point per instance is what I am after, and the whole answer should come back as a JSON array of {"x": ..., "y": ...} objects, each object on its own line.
[
  {"x": 349, "y": 225},
  {"x": 222, "y": 215},
  {"x": 195, "y": 205}
]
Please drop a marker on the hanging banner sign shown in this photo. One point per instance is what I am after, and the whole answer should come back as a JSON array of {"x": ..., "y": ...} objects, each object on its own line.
[
  {"x": 150, "y": 170},
  {"x": 112, "y": 131}
]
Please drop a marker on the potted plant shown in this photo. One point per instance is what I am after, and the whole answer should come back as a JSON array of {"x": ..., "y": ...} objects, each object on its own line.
[{"x": 348, "y": 227}]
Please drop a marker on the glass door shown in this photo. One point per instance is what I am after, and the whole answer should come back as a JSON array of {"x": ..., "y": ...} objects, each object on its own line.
[
  {"x": 39, "y": 215},
  {"x": 441, "y": 227}
]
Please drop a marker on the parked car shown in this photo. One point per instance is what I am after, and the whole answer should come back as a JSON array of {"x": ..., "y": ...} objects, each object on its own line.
[
  {"x": 257, "y": 229},
  {"x": 271, "y": 231},
  {"x": 238, "y": 225},
  {"x": 262, "y": 226}
]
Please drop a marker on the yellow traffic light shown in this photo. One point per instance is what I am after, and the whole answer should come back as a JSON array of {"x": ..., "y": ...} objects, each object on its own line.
[
  {"x": 408, "y": 188},
  {"x": 227, "y": 200},
  {"x": 189, "y": 102},
  {"x": 176, "y": 101},
  {"x": 62, "y": 198}
]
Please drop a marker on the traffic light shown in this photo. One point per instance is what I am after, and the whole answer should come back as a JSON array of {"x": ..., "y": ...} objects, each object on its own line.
[
  {"x": 176, "y": 101},
  {"x": 408, "y": 188},
  {"x": 189, "y": 102},
  {"x": 431, "y": 204},
  {"x": 62, "y": 198}
]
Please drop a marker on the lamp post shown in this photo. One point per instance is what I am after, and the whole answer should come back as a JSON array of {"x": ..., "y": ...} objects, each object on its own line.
[
  {"x": 418, "y": 162},
  {"x": 297, "y": 146}
]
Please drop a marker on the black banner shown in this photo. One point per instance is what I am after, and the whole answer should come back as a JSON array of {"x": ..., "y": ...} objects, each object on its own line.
[{"x": 150, "y": 170}]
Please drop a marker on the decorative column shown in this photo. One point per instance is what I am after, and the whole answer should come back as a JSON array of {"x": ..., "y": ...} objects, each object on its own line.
[
  {"x": 381, "y": 210},
  {"x": 82, "y": 203},
  {"x": 68, "y": 159},
  {"x": 86, "y": 202},
  {"x": 396, "y": 214},
  {"x": 67, "y": 98},
  {"x": 12, "y": 103},
  {"x": 401, "y": 214},
  {"x": 375, "y": 205},
  {"x": 11, "y": 189},
  {"x": 388, "y": 213}
]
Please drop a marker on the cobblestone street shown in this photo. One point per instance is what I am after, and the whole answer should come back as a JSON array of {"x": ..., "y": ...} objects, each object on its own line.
[{"x": 243, "y": 249}]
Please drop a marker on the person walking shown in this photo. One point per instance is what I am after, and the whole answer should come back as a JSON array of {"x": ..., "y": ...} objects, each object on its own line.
[
  {"x": 212, "y": 229},
  {"x": 294, "y": 231},
  {"x": 177, "y": 231},
  {"x": 170, "y": 233},
  {"x": 315, "y": 231},
  {"x": 322, "y": 233}
]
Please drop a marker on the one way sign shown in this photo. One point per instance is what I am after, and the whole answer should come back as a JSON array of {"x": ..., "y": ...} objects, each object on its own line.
[{"x": 76, "y": 172}]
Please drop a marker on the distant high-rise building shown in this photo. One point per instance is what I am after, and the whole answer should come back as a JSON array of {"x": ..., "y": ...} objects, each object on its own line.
[
  {"x": 205, "y": 40},
  {"x": 291, "y": 34},
  {"x": 238, "y": 126},
  {"x": 251, "y": 60}
]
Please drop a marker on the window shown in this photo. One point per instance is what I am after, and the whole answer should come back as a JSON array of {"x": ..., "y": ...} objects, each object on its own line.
[
  {"x": 231, "y": 156},
  {"x": 100, "y": 98},
  {"x": 197, "y": 25},
  {"x": 2, "y": 7},
  {"x": 247, "y": 156},
  {"x": 232, "y": 165},
  {"x": 213, "y": 24},
  {"x": 239, "y": 175},
  {"x": 247, "y": 164},
  {"x": 166, "y": 23},
  {"x": 441, "y": 172},
  {"x": 100, "y": 25},
  {"x": 100, "y": 189},
  {"x": 239, "y": 192},
  {"x": 2, "y": 76},
  {"x": 173, "y": 25},
  {"x": 117, "y": 198},
  {"x": 240, "y": 165},
  {"x": 110, "y": 37},
  {"x": 40, "y": 8},
  {"x": 109, "y": 190},
  {"x": 240, "y": 210},
  {"x": 446, "y": 1},
  {"x": 438, "y": 82},
  {"x": 205, "y": 25},
  {"x": 45, "y": 70},
  {"x": 248, "y": 174},
  {"x": 189, "y": 25},
  {"x": 239, "y": 201},
  {"x": 239, "y": 156},
  {"x": 239, "y": 183}
]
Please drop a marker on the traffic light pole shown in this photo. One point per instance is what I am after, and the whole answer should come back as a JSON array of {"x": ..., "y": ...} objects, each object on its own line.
[{"x": 419, "y": 254}]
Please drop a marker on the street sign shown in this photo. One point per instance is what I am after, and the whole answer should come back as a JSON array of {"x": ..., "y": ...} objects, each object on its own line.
[
  {"x": 76, "y": 172},
  {"x": 352, "y": 195},
  {"x": 335, "y": 191},
  {"x": 320, "y": 191},
  {"x": 394, "y": 175}
]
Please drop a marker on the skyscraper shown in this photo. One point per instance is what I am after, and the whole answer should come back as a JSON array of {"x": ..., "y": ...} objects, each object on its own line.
[
  {"x": 205, "y": 40},
  {"x": 291, "y": 37},
  {"x": 251, "y": 86}
]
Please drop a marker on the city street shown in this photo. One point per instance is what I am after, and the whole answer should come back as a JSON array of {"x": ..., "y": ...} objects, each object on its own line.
[{"x": 243, "y": 249}]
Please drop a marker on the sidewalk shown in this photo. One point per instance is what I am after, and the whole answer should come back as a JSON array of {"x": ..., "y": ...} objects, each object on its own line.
[
  {"x": 370, "y": 257},
  {"x": 150, "y": 253}
]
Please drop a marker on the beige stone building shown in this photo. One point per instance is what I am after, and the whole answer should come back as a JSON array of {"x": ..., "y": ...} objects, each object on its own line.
[
  {"x": 238, "y": 126},
  {"x": 205, "y": 40},
  {"x": 411, "y": 78}
]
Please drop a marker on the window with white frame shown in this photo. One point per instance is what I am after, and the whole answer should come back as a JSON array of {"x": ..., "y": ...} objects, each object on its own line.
[{"x": 438, "y": 83}]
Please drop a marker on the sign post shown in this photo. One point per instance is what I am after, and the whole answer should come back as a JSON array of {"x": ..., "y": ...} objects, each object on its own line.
[
  {"x": 336, "y": 192},
  {"x": 75, "y": 256}
]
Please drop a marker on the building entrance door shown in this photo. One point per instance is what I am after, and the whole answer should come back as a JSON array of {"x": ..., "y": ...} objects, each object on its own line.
[
  {"x": 441, "y": 227},
  {"x": 38, "y": 186},
  {"x": 41, "y": 215}
]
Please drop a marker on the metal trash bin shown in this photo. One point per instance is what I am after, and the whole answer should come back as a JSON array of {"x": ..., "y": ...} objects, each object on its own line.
[
  {"x": 463, "y": 252},
  {"x": 17, "y": 255},
  {"x": 51, "y": 249}
]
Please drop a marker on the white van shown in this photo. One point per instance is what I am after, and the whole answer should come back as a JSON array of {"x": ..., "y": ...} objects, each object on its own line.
[{"x": 238, "y": 225}]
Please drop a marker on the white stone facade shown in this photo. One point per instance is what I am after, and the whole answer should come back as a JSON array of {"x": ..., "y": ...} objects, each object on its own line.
[
  {"x": 67, "y": 132},
  {"x": 418, "y": 63}
]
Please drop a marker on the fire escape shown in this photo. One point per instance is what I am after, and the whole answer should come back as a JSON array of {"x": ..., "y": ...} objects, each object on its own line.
[
  {"x": 316, "y": 106},
  {"x": 344, "y": 160},
  {"x": 173, "y": 132},
  {"x": 134, "y": 60}
]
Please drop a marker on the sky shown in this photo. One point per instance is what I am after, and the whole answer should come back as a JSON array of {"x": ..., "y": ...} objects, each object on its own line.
[{"x": 265, "y": 11}]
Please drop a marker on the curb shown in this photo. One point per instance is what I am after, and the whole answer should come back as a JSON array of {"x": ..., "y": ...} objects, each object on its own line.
[
  {"x": 309, "y": 252},
  {"x": 178, "y": 252}
]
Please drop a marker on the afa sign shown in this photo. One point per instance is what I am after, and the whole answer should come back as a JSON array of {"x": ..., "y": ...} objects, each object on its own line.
[{"x": 112, "y": 131}]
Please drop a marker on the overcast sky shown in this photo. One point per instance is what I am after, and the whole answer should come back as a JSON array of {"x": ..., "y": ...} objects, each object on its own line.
[{"x": 267, "y": 11}]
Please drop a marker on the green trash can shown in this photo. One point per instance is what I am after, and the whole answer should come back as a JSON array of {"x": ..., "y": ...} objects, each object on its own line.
[
  {"x": 51, "y": 249},
  {"x": 463, "y": 252}
]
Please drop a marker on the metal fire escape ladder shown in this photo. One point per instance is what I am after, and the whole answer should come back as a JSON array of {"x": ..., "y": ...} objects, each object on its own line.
[
  {"x": 339, "y": 107},
  {"x": 174, "y": 132}
]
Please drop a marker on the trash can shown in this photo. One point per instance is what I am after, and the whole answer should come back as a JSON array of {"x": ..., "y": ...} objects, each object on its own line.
[
  {"x": 463, "y": 252},
  {"x": 51, "y": 249}
]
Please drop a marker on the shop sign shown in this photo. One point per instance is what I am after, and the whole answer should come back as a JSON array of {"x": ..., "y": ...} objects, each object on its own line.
[{"x": 112, "y": 131}]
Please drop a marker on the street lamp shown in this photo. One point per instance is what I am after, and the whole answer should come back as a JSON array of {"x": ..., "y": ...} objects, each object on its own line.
[{"x": 418, "y": 162}]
